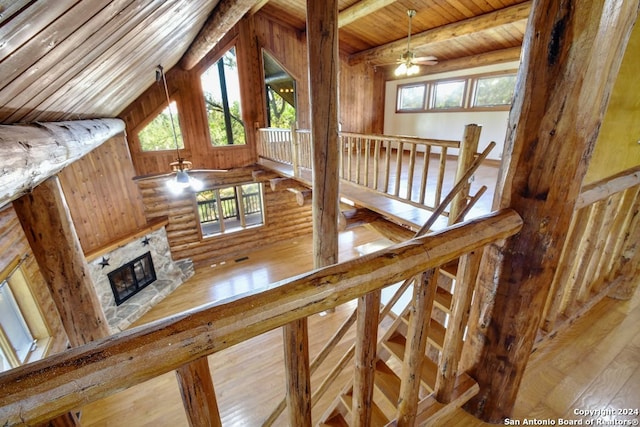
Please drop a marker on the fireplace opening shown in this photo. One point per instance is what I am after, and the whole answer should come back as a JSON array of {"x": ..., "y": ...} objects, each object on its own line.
[{"x": 132, "y": 277}]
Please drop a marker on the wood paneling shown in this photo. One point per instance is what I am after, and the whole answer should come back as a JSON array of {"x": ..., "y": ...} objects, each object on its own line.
[
  {"x": 103, "y": 199},
  {"x": 361, "y": 87},
  {"x": 284, "y": 218},
  {"x": 14, "y": 245}
]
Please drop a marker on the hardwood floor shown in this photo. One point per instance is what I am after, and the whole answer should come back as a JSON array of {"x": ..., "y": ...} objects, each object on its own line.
[{"x": 595, "y": 365}]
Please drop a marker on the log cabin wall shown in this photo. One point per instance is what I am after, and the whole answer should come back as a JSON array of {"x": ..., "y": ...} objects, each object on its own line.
[
  {"x": 104, "y": 202},
  {"x": 14, "y": 246},
  {"x": 284, "y": 219}
]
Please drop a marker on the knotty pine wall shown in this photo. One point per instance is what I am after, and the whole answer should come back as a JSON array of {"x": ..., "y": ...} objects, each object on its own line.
[
  {"x": 103, "y": 199},
  {"x": 361, "y": 100},
  {"x": 361, "y": 90},
  {"x": 284, "y": 219},
  {"x": 14, "y": 245}
]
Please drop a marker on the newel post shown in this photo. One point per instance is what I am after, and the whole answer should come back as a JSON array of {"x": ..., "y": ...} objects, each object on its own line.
[
  {"x": 198, "y": 395},
  {"x": 468, "y": 150},
  {"x": 571, "y": 56}
]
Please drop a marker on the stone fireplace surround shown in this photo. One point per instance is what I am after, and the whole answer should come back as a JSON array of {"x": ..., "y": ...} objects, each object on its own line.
[{"x": 169, "y": 275}]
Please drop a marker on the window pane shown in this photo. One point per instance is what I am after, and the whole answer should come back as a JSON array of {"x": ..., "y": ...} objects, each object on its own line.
[
  {"x": 411, "y": 97},
  {"x": 13, "y": 325},
  {"x": 158, "y": 134},
  {"x": 493, "y": 91},
  {"x": 221, "y": 87},
  {"x": 449, "y": 94},
  {"x": 252, "y": 204},
  {"x": 220, "y": 212}
]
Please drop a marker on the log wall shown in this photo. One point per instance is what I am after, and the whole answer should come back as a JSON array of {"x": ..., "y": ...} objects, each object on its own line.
[
  {"x": 14, "y": 245},
  {"x": 284, "y": 219},
  {"x": 104, "y": 202}
]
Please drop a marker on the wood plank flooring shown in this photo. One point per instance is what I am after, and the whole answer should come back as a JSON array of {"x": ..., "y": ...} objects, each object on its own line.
[{"x": 594, "y": 365}]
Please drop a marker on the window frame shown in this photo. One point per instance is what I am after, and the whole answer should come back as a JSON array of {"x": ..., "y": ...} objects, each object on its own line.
[
  {"x": 226, "y": 107},
  {"x": 468, "y": 94},
  {"x": 425, "y": 96},
  {"x": 239, "y": 210}
]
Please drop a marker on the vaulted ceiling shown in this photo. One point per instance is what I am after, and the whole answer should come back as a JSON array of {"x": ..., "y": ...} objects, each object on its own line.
[{"x": 76, "y": 59}]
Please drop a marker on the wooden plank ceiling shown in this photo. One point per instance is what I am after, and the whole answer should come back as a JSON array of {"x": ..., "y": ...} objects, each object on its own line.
[{"x": 79, "y": 59}]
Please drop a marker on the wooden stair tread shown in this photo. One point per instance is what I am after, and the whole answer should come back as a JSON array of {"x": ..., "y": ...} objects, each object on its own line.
[
  {"x": 396, "y": 344},
  {"x": 387, "y": 382},
  {"x": 450, "y": 269},
  {"x": 378, "y": 418},
  {"x": 431, "y": 412},
  {"x": 437, "y": 331},
  {"x": 443, "y": 299}
]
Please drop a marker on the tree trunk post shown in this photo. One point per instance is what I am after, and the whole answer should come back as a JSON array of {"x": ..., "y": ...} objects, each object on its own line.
[
  {"x": 48, "y": 226},
  {"x": 571, "y": 56}
]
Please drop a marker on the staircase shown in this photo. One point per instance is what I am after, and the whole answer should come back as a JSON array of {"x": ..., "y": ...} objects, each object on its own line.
[{"x": 389, "y": 362}]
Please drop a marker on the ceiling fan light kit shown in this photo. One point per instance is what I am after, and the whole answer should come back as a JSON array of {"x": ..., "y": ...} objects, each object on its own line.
[{"x": 408, "y": 63}]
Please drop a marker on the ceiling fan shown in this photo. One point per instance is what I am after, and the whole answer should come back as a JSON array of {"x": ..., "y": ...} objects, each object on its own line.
[{"x": 409, "y": 62}]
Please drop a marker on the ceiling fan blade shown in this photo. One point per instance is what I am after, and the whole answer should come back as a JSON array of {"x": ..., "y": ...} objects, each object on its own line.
[{"x": 425, "y": 58}]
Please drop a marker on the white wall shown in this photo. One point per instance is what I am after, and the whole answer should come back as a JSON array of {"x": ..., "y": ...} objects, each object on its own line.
[{"x": 443, "y": 125}]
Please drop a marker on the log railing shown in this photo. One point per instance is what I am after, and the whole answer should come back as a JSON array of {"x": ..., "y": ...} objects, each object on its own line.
[
  {"x": 599, "y": 250},
  {"x": 45, "y": 389},
  {"x": 408, "y": 169}
]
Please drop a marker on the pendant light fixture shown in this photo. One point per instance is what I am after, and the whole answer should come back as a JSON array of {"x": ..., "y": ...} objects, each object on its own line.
[{"x": 182, "y": 180}]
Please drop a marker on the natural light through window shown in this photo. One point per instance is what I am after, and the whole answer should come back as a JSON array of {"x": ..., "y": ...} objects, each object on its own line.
[
  {"x": 158, "y": 135},
  {"x": 221, "y": 87},
  {"x": 228, "y": 209}
]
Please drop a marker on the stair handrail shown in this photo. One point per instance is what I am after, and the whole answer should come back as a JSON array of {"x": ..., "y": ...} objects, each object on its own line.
[{"x": 38, "y": 392}]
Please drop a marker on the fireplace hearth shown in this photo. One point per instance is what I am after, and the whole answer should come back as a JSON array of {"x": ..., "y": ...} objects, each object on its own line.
[{"x": 135, "y": 276}]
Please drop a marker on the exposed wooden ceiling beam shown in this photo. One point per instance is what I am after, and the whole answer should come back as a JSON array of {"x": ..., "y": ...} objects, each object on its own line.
[
  {"x": 225, "y": 15},
  {"x": 360, "y": 9},
  {"x": 391, "y": 51},
  {"x": 34, "y": 152},
  {"x": 488, "y": 58}
]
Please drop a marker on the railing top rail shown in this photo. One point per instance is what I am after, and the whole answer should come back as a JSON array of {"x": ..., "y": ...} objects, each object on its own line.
[
  {"x": 405, "y": 139},
  {"x": 37, "y": 392},
  {"x": 607, "y": 187}
]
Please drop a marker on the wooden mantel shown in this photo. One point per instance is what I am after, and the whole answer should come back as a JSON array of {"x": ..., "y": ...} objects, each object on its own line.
[{"x": 31, "y": 153}]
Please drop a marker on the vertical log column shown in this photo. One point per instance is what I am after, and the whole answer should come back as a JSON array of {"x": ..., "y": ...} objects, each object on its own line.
[
  {"x": 571, "y": 55},
  {"x": 47, "y": 223},
  {"x": 322, "y": 41},
  {"x": 45, "y": 218},
  {"x": 368, "y": 315}
]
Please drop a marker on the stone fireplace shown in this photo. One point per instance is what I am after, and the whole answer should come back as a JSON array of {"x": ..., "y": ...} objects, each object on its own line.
[{"x": 132, "y": 278}]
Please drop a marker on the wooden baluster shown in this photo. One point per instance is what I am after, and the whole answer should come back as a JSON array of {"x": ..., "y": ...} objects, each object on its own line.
[
  {"x": 443, "y": 164},
  {"x": 376, "y": 165},
  {"x": 632, "y": 199},
  {"x": 387, "y": 166},
  {"x": 198, "y": 395},
  {"x": 296, "y": 359},
  {"x": 425, "y": 172},
  {"x": 626, "y": 265},
  {"x": 424, "y": 292},
  {"x": 295, "y": 151},
  {"x": 398, "y": 176},
  {"x": 410, "y": 172},
  {"x": 561, "y": 280},
  {"x": 367, "y": 156},
  {"x": 365, "y": 357},
  {"x": 468, "y": 268}
]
